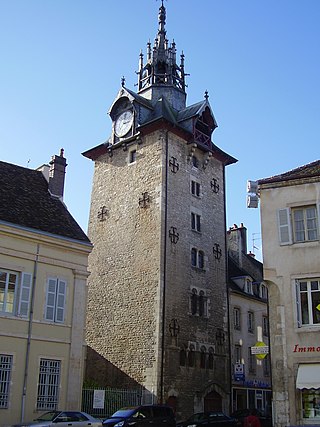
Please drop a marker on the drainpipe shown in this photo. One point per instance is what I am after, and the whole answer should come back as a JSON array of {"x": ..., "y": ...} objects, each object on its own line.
[
  {"x": 164, "y": 268},
  {"x": 227, "y": 290},
  {"x": 24, "y": 390}
]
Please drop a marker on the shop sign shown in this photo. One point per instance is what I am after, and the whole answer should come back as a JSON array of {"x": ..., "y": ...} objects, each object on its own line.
[{"x": 239, "y": 372}]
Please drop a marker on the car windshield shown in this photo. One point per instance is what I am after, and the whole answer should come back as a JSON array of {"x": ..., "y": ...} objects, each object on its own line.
[
  {"x": 48, "y": 416},
  {"x": 123, "y": 413}
]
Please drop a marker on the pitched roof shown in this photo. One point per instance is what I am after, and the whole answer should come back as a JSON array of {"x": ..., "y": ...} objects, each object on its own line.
[
  {"x": 25, "y": 201},
  {"x": 309, "y": 170}
]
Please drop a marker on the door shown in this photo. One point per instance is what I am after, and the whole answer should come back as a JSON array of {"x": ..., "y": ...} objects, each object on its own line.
[{"x": 213, "y": 402}]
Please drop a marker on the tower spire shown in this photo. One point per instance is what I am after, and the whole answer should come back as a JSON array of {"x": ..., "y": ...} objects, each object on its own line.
[{"x": 161, "y": 70}]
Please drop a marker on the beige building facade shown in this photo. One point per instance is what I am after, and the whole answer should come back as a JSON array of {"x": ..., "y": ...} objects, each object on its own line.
[
  {"x": 291, "y": 253},
  {"x": 249, "y": 328},
  {"x": 43, "y": 275}
]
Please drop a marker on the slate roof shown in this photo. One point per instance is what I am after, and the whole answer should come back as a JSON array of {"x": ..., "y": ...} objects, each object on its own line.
[
  {"x": 25, "y": 201},
  {"x": 309, "y": 170}
]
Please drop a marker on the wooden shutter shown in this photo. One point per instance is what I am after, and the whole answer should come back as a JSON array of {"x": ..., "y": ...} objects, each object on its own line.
[
  {"x": 284, "y": 226},
  {"x": 25, "y": 294},
  {"x": 51, "y": 299},
  {"x": 60, "y": 302}
]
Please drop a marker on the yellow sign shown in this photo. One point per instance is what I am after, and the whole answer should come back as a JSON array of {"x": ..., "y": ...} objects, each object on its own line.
[
  {"x": 318, "y": 307},
  {"x": 260, "y": 349}
]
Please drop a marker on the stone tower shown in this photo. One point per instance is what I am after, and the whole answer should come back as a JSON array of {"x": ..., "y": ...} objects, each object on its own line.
[{"x": 157, "y": 305}]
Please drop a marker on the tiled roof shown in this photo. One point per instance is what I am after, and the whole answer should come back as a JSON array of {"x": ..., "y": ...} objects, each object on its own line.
[
  {"x": 307, "y": 171},
  {"x": 25, "y": 201}
]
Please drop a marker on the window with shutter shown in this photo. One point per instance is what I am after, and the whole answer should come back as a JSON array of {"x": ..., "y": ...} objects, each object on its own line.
[
  {"x": 25, "y": 294},
  {"x": 284, "y": 226},
  {"x": 55, "y": 301}
]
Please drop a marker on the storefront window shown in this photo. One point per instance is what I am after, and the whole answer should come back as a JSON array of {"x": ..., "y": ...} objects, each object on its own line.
[{"x": 311, "y": 404}]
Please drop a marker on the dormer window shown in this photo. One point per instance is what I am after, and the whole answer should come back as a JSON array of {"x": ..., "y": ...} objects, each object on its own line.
[
  {"x": 263, "y": 291},
  {"x": 248, "y": 287}
]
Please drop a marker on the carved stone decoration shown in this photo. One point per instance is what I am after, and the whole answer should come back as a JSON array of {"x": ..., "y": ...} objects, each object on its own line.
[
  {"x": 174, "y": 165},
  {"x": 102, "y": 214},
  {"x": 214, "y": 185},
  {"x": 173, "y": 235},
  {"x": 144, "y": 200},
  {"x": 217, "y": 252}
]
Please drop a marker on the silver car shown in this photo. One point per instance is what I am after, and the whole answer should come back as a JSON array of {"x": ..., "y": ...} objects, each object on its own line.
[{"x": 63, "y": 419}]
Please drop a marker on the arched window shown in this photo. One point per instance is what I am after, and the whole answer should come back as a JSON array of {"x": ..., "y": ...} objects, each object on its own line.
[
  {"x": 183, "y": 357},
  {"x": 194, "y": 257},
  {"x": 203, "y": 357},
  {"x": 202, "y": 310},
  {"x": 191, "y": 356},
  {"x": 210, "y": 358},
  {"x": 200, "y": 259},
  {"x": 194, "y": 301}
]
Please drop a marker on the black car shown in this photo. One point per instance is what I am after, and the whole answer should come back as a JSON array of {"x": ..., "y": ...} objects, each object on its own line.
[
  {"x": 142, "y": 416},
  {"x": 241, "y": 414},
  {"x": 209, "y": 419}
]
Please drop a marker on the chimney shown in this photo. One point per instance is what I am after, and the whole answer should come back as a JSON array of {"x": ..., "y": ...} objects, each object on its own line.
[
  {"x": 237, "y": 241},
  {"x": 57, "y": 173}
]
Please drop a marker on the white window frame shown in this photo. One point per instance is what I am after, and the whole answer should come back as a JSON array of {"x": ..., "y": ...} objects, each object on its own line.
[
  {"x": 287, "y": 226},
  {"x": 250, "y": 321},
  {"x": 309, "y": 292},
  {"x": 55, "y": 300},
  {"x": 22, "y": 293},
  {"x": 199, "y": 254},
  {"x": 196, "y": 222},
  {"x": 48, "y": 384},
  {"x": 6, "y": 363},
  {"x": 237, "y": 318},
  {"x": 195, "y": 187}
]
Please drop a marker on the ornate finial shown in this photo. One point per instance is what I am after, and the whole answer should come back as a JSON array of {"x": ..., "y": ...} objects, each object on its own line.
[
  {"x": 123, "y": 81},
  {"x": 206, "y": 96}
]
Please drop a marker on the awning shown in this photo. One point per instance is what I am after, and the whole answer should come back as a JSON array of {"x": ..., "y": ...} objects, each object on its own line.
[{"x": 308, "y": 376}]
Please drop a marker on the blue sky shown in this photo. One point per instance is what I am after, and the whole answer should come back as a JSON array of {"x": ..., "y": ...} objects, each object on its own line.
[{"x": 62, "y": 63}]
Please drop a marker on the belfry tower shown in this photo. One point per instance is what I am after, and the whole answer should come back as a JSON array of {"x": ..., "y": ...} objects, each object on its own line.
[{"x": 157, "y": 304}]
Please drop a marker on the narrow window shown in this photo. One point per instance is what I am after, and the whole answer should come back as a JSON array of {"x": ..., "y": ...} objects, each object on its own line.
[
  {"x": 194, "y": 302},
  {"x": 210, "y": 358},
  {"x": 48, "y": 384},
  {"x": 236, "y": 318},
  {"x": 195, "y": 162},
  {"x": 55, "y": 303},
  {"x": 251, "y": 361},
  {"x": 195, "y": 188},
  {"x": 191, "y": 356},
  {"x": 250, "y": 321},
  {"x": 132, "y": 156},
  {"x": 194, "y": 257},
  {"x": 202, "y": 304},
  {"x": 195, "y": 222},
  {"x": 237, "y": 353},
  {"x": 5, "y": 378},
  {"x": 203, "y": 357},
  {"x": 201, "y": 259},
  {"x": 183, "y": 357}
]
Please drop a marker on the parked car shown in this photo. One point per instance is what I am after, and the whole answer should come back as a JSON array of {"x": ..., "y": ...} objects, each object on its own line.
[
  {"x": 241, "y": 414},
  {"x": 209, "y": 419},
  {"x": 142, "y": 416},
  {"x": 63, "y": 419}
]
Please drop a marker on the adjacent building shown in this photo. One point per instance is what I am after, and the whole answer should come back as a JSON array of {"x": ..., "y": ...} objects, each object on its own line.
[
  {"x": 43, "y": 275},
  {"x": 157, "y": 306},
  {"x": 291, "y": 252},
  {"x": 249, "y": 330}
]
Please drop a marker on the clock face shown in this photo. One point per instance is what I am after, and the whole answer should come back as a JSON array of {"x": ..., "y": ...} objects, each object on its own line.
[{"x": 123, "y": 123}]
